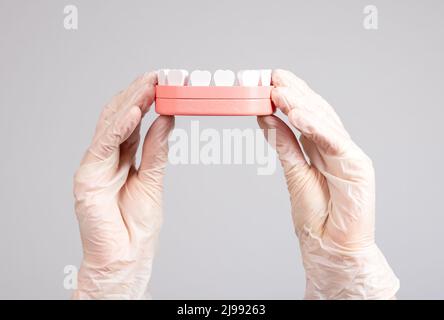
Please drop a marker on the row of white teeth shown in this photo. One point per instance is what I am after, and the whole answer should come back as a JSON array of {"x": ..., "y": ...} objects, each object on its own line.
[{"x": 180, "y": 77}]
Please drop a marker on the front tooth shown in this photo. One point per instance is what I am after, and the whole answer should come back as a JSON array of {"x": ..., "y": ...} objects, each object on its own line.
[
  {"x": 200, "y": 78},
  {"x": 177, "y": 77},
  {"x": 224, "y": 78},
  {"x": 265, "y": 77},
  {"x": 239, "y": 77},
  {"x": 248, "y": 78},
  {"x": 162, "y": 76}
]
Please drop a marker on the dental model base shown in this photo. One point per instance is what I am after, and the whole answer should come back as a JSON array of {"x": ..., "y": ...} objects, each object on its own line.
[{"x": 178, "y": 93}]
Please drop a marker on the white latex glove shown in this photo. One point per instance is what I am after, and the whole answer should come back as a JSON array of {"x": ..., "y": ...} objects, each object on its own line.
[
  {"x": 118, "y": 207},
  {"x": 332, "y": 197}
]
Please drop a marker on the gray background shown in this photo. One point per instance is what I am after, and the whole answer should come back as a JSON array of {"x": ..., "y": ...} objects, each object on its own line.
[{"x": 227, "y": 231}]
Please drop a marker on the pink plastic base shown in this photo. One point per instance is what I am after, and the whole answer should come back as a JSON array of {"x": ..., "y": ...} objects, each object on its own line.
[{"x": 213, "y": 101}]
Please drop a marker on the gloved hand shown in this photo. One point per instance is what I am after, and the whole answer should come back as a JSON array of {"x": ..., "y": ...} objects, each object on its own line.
[
  {"x": 332, "y": 197},
  {"x": 118, "y": 207}
]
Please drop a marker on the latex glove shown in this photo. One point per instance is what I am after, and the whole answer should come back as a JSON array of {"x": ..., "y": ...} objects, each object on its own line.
[
  {"x": 332, "y": 197},
  {"x": 118, "y": 207}
]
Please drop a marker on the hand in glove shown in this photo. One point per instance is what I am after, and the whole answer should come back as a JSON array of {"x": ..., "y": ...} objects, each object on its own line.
[
  {"x": 118, "y": 206},
  {"x": 332, "y": 197}
]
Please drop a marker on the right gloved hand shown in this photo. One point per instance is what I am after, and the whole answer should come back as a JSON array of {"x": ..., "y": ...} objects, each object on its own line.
[{"x": 332, "y": 197}]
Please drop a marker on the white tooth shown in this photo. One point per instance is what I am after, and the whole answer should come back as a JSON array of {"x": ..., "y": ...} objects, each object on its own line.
[
  {"x": 248, "y": 78},
  {"x": 200, "y": 78},
  {"x": 265, "y": 77},
  {"x": 239, "y": 77},
  {"x": 224, "y": 78},
  {"x": 177, "y": 77},
  {"x": 162, "y": 75}
]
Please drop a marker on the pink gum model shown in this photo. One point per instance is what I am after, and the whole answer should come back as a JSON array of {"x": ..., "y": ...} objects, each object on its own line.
[{"x": 214, "y": 101}]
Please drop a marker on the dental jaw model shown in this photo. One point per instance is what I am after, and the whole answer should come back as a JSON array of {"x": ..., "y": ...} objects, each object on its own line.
[{"x": 221, "y": 94}]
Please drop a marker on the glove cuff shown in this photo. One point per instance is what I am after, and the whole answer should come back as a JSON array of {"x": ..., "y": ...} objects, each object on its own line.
[{"x": 335, "y": 274}]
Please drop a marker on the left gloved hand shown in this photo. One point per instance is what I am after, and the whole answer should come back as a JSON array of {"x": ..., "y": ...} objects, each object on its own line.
[{"x": 119, "y": 207}]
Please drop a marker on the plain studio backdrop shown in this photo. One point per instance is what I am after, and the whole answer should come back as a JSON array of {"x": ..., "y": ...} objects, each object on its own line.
[{"x": 227, "y": 231}]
